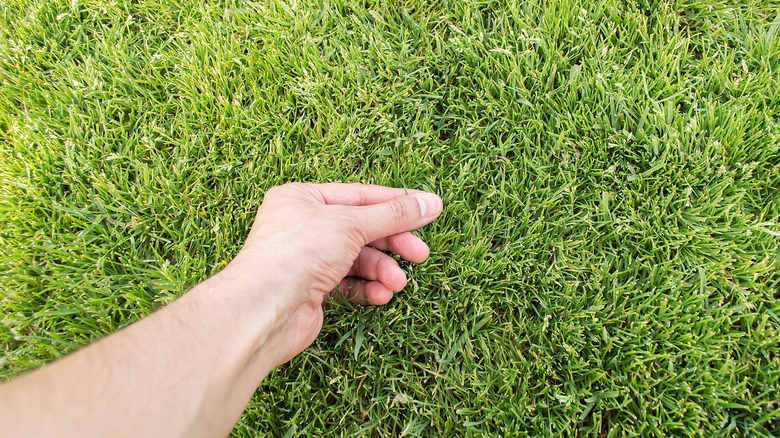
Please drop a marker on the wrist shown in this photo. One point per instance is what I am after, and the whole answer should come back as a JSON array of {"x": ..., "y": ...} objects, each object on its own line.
[
  {"x": 234, "y": 316},
  {"x": 273, "y": 286}
]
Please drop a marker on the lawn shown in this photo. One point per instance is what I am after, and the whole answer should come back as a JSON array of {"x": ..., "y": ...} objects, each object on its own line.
[{"x": 608, "y": 259}]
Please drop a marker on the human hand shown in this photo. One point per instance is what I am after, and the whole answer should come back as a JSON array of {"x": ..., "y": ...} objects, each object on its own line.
[
  {"x": 190, "y": 368},
  {"x": 317, "y": 238}
]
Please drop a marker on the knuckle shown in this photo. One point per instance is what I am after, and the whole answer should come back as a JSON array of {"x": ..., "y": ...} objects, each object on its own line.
[
  {"x": 287, "y": 187},
  {"x": 393, "y": 242},
  {"x": 293, "y": 185},
  {"x": 386, "y": 263},
  {"x": 400, "y": 212},
  {"x": 276, "y": 191},
  {"x": 357, "y": 264},
  {"x": 287, "y": 190},
  {"x": 354, "y": 229}
]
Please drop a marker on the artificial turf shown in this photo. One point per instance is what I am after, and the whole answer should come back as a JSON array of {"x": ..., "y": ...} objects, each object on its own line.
[{"x": 607, "y": 263}]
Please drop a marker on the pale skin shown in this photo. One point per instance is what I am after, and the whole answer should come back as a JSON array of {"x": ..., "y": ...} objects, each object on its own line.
[{"x": 190, "y": 368}]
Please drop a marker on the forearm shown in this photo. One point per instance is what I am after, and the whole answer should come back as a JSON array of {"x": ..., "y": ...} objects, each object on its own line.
[{"x": 187, "y": 370}]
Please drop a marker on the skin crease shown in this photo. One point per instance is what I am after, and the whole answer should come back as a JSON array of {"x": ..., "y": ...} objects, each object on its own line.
[{"x": 190, "y": 368}]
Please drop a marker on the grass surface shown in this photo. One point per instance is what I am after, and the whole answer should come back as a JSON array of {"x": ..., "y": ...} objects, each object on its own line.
[{"x": 608, "y": 259}]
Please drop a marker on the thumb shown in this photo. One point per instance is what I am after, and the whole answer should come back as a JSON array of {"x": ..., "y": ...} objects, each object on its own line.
[{"x": 397, "y": 215}]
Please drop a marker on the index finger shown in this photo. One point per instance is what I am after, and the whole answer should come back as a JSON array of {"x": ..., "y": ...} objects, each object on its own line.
[{"x": 357, "y": 194}]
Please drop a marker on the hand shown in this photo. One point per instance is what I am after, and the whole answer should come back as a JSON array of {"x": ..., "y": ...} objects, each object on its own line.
[
  {"x": 190, "y": 368},
  {"x": 327, "y": 237}
]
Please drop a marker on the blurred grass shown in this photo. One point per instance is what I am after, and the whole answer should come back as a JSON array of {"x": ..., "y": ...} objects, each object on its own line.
[{"x": 607, "y": 262}]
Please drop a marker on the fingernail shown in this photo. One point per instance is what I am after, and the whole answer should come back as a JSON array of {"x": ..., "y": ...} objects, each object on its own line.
[{"x": 430, "y": 205}]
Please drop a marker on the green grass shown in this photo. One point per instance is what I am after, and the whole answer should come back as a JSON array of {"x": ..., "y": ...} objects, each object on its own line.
[{"x": 608, "y": 261}]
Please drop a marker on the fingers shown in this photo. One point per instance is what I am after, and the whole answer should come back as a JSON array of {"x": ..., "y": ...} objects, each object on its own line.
[
  {"x": 406, "y": 245},
  {"x": 365, "y": 292},
  {"x": 378, "y": 211},
  {"x": 383, "y": 273},
  {"x": 359, "y": 194},
  {"x": 397, "y": 215},
  {"x": 372, "y": 264}
]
